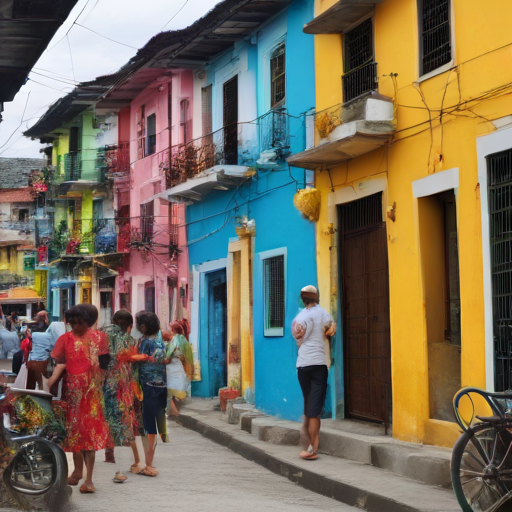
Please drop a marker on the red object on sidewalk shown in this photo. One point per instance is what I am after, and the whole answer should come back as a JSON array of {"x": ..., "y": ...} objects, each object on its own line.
[{"x": 226, "y": 394}]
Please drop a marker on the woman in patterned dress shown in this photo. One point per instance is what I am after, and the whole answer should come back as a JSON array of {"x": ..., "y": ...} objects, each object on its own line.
[
  {"x": 84, "y": 354},
  {"x": 121, "y": 390}
]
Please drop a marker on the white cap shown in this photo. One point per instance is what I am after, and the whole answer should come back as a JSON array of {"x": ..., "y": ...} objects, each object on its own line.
[{"x": 310, "y": 289}]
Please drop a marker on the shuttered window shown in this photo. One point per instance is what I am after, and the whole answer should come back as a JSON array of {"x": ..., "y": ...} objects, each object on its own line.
[
  {"x": 206, "y": 109},
  {"x": 274, "y": 284},
  {"x": 146, "y": 221},
  {"x": 151, "y": 134},
  {"x": 141, "y": 132},
  {"x": 435, "y": 30},
  {"x": 278, "y": 76}
]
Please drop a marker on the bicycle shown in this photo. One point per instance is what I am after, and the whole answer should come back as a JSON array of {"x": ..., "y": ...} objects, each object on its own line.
[{"x": 481, "y": 466}]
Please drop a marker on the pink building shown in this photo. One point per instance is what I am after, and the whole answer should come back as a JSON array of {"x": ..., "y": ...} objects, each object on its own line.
[{"x": 154, "y": 108}]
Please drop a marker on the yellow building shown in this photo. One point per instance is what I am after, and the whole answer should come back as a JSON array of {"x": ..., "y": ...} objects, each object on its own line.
[{"x": 413, "y": 158}]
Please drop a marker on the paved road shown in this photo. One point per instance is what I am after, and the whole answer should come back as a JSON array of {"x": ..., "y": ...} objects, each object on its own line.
[{"x": 197, "y": 475}]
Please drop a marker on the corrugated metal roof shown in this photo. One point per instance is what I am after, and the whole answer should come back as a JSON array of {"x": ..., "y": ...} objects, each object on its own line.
[{"x": 14, "y": 172}]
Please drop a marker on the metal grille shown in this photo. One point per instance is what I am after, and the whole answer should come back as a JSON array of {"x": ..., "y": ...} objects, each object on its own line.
[
  {"x": 274, "y": 292},
  {"x": 499, "y": 172},
  {"x": 359, "y": 66},
  {"x": 278, "y": 75},
  {"x": 436, "y": 36},
  {"x": 362, "y": 214},
  {"x": 73, "y": 166},
  {"x": 174, "y": 222},
  {"x": 146, "y": 218},
  {"x": 151, "y": 130}
]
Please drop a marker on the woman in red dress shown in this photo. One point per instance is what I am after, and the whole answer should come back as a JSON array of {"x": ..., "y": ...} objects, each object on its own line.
[{"x": 85, "y": 354}]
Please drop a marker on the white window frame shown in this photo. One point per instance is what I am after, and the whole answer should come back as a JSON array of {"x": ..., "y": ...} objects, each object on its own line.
[
  {"x": 265, "y": 255},
  {"x": 445, "y": 67}
]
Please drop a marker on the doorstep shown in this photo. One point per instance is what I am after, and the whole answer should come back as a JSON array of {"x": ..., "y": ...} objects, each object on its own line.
[{"x": 375, "y": 473}]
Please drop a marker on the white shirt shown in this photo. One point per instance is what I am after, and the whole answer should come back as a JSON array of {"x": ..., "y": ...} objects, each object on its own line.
[
  {"x": 56, "y": 330},
  {"x": 313, "y": 349}
]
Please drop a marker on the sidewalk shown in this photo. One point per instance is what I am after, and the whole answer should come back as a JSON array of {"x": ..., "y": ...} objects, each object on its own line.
[{"x": 358, "y": 467}]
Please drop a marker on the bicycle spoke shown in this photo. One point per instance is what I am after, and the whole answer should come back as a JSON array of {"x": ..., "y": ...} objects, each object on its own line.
[
  {"x": 474, "y": 457},
  {"x": 466, "y": 472},
  {"x": 469, "y": 481},
  {"x": 497, "y": 505}
]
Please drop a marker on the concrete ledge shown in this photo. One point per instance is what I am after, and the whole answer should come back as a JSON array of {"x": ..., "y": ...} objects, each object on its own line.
[{"x": 355, "y": 484}]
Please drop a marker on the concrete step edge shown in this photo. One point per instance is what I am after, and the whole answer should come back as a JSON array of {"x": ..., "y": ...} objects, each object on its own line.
[
  {"x": 347, "y": 493},
  {"x": 424, "y": 464}
]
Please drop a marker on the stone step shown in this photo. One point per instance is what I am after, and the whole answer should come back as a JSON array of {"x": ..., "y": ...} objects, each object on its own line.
[
  {"x": 426, "y": 464},
  {"x": 355, "y": 483}
]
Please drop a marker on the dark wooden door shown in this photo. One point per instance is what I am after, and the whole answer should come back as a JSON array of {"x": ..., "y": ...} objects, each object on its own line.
[
  {"x": 365, "y": 279},
  {"x": 230, "y": 105}
]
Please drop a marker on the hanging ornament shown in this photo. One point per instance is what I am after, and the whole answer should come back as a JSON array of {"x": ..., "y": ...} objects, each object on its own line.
[{"x": 307, "y": 201}]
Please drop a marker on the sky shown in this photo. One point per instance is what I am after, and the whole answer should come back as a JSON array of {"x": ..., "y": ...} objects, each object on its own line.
[{"x": 83, "y": 55}]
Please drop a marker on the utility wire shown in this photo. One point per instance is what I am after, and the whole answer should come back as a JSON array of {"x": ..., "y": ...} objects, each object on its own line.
[
  {"x": 67, "y": 82},
  {"x": 69, "y": 29},
  {"x": 179, "y": 10},
  {"x": 105, "y": 37},
  {"x": 71, "y": 57},
  {"x": 21, "y": 123}
]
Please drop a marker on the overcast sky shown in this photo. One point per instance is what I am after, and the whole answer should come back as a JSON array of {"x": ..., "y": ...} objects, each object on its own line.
[{"x": 127, "y": 21}]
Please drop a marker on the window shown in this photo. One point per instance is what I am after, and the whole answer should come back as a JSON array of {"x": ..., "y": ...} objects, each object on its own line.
[
  {"x": 184, "y": 104},
  {"x": 278, "y": 76},
  {"x": 146, "y": 221},
  {"x": 74, "y": 139},
  {"x": 435, "y": 38},
  {"x": 274, "y": 295},
  {"x": 151, "y": 131},
  {"x": 359, "y": 63},
  {"x": 206, "y": 108},
  {"x": 149, "y": 297},
  {"x": 174, "y": 222},
  {"x": 141, "y": 132}
]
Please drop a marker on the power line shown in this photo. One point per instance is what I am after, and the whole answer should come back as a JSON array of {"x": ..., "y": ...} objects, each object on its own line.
[
  {"x": 69, "y": 29},
  {"x": 49, "y": 86},
  {"x": 179, "y": 10},
  {"x": 21, "y": 122},
  {"x": 105, "y": 37},
  {"x": 69, "y": 82},
  {"x": 71, "y": 56}
]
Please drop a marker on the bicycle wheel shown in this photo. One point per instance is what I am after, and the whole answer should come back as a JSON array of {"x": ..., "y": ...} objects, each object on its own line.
[{"x": 481, "y": 469}]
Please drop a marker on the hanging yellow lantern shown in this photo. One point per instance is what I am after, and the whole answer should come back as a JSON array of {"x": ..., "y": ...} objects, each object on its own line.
[{"x": 307, "y": 201}]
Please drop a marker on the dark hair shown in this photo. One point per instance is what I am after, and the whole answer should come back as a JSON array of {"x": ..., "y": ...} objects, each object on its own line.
[
  {"x": 150, "y": 320},
  {"x": 123, "y": 319},
  {"x": 92, "y": 312},
  {"x": 308, "y": 301},
  {"x": 78, "y": 313},
  {"x": 8, "y": 324},
  {"x": 181, "y": 327}
]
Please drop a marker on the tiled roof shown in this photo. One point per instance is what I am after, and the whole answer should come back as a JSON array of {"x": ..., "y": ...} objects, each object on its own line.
[
  {"x": 14, "y": 172},
  {"x": 16, "y": 195}
]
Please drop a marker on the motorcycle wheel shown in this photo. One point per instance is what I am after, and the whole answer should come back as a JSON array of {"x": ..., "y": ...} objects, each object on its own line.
[{"x": 37, "y": 476}]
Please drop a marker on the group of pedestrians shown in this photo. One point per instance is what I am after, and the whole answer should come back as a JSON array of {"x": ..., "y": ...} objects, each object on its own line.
[{"x": 114, "y": 386}]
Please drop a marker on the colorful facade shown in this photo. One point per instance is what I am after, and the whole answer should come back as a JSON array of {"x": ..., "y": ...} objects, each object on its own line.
[{"x": 412, "y": 166}]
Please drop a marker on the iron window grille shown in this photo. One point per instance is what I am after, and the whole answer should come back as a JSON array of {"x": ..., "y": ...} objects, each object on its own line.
[
  {"x": 499, "y": 176},
  {"x": 278, "y": 75},
  {"x": 146, "y": 220},
  {"x": 274, "y": 284},
  {"x": 360, "y": 68},
  {"x": 184, "y": 104},
  {"x": 436, "y": 44},
  {"x": 151, "y": 127},
  {"x": 141, "y": 132},
  {"x": 361, "y": 214}
]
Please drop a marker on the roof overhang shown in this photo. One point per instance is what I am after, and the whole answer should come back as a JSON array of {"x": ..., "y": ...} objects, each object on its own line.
[
  {"x": 218, "y": 178},
  {"x": 342, "y": 15}
]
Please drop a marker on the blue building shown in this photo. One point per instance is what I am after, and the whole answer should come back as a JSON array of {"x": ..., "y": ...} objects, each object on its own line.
[{"x": 250, "y": 251}]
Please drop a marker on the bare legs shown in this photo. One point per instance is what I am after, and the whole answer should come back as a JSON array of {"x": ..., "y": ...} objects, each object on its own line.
[
  {"x": 135, "y": 450},
  {"x": 79, "y": 459},
  {"x": 89, "y": 458},
  {"x": 314, "y": 430},
  {"x": 310, "y": 436},
  {"x": 150, "y": 448},
  {"x": 76, "y": 476}
]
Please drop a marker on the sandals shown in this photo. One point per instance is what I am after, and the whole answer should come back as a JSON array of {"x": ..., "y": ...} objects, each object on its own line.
[
  {"x": 309, "y": 454},
  {"x": 73, "y": 479},
  {"x": 120, "y": 478},
  {"x": 136, "y": 469},
  {"x": 148, "y": 471},
  {"x": 86, "y": 489}
]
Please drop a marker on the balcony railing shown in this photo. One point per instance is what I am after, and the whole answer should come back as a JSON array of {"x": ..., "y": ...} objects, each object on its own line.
[
  {"x": 359, "y": 81},
  {"x": 115, "y": 159},
  {"x": 87, "y": 237},
  {"x": 237, "y": 144},
  {"x": 10, "y": 280},
  {"x": 22, "y": 227},
  {"x": 73, "y": 166}
]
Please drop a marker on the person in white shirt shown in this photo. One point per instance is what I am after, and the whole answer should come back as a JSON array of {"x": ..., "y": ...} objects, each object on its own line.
[{"x": 311, "y": 329}]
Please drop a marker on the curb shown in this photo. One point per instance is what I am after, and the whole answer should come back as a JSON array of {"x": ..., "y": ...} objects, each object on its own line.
[{"x": 342, "y": 492}]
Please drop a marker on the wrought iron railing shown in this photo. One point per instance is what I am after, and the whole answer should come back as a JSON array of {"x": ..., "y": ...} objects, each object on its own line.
[
  {"x": 73, "y": 166},
  {"x": 115, "y": 159},
  {"x": 359, "y": 81},
  {"x": 88, "y": 236},
  {"x": 22, "y": 227},
  {"x": 237, "y": 144},
  {"x": 10, "y": 280}
]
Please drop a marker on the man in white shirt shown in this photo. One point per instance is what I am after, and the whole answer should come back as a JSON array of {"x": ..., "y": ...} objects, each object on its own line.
[{"x": 310, "y": 329}]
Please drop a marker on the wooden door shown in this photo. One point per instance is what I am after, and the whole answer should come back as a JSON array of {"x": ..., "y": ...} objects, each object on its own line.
[
  {"x": 217, "y": 330},
  {"x": 230, "y": 112},
  {"x": 365, "y": 279}
]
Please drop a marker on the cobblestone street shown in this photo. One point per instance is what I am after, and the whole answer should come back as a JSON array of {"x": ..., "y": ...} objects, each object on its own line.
[{"x": 197, "y": 475}]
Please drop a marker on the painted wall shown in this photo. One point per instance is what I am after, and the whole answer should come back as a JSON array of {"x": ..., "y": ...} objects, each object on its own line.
[
  {"x": 421, "y": 148},
  {"x": 268, "y": 199}
]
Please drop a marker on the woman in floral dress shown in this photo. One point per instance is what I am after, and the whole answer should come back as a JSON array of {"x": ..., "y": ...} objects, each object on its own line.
[
  {"x": 84, "y": 354},
  {"x": 122, "y": 391}
]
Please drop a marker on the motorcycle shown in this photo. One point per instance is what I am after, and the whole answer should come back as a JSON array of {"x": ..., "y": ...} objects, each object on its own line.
[{"x": 33, "y": 468}]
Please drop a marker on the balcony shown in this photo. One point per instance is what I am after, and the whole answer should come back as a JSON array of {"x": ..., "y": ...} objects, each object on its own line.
[
  {"x": 17, "y": 232},
  {"x": 115, "y": 159},
  {"x": 349, "y": 131},
  {"x": 73, "y": 166},
  {"x": 342, "y": 15},
  {"x": 86, "y": 238},
  {"x": 221, "y": 158}
]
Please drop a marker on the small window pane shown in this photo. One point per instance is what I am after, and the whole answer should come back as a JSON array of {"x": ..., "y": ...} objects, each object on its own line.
[
  {"x": 274, "y": 293},
  {"x": 435, "y": 34}
]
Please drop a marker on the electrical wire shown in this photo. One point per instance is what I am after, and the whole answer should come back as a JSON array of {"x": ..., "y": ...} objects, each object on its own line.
[
  {"x": 179, "y": 10},
  {"x": 71, "y": 57},
  {"x": 105, "y": 37},
  {"x": 67, "y": 82},
  {"x": 69, "y": 29},
  {"x": 20, "y": 125}
]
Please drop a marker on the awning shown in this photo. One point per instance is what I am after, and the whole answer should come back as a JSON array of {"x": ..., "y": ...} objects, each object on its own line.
[
  {"x": 220, "y": 177},
  {"x": 340, "y": 16}
]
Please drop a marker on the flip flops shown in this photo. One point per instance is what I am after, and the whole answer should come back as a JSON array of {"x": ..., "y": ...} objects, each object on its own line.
[
  {"x": 149, "y": 471},
  {"x": 136, "y": 469},
  {"x": 120, "y": 478},
  {"x": 309, "y": 454},
  {"x": 86, "y": 489},
  {"x": 74, "y": 480}
]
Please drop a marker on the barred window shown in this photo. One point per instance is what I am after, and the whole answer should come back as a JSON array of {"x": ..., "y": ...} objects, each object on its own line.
[
  {"x": 358, "y": 62},
  {"x": 278, "y": 75},
  {"x": 274, "y": 287},
  {"x": 435, "y": 34},
  {"x": 151, "y": 126},
  {"x": 146, "y": 221}
]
